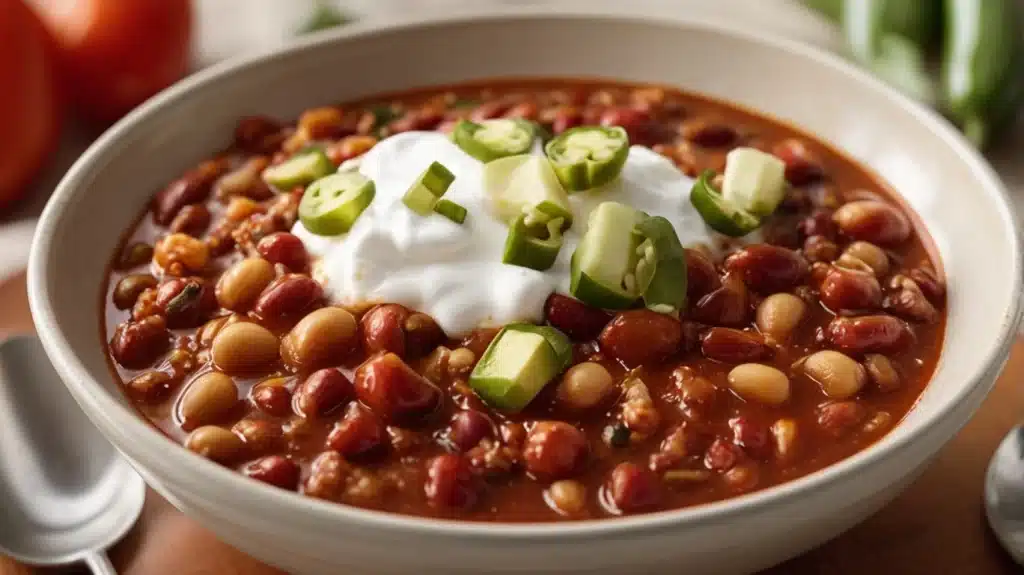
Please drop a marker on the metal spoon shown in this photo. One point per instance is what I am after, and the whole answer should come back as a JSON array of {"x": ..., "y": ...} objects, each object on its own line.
[
  {"x": 67, "y": 495},
  {"x": 1004, "y": 493}
]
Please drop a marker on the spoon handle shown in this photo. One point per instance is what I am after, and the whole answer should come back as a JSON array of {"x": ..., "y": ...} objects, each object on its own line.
[{"x": 99, "y": 564}]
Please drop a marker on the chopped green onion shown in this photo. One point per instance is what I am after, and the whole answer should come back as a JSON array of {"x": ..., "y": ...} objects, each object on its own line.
[
  {"x": 299, "y": 170},
  {"x": 534, "y": 247},
  {"x": 493, "y": 139},
  {"x": 754, "y": 180},
  {"x": 718, "y": 213},
  {"x": 450, "y": 210},
  {"x": 588, "y": 157},
  {"x": 425, "y": 191},
  {"x": 331, "y": 204},
  {"x": 525, "y": 184}
]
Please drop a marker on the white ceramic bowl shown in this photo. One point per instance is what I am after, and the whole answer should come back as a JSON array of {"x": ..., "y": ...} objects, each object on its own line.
[{"x": 956, "y": 194}]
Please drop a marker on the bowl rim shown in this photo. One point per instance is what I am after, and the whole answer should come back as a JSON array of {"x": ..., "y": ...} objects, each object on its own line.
[{"x": 183, "y": 466}]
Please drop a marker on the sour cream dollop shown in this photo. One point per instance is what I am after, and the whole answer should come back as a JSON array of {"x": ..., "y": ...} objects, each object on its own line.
[{"x": 453, "y": 272}]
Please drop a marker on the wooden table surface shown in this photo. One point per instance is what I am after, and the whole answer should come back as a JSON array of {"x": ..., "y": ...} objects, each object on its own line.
[{"x": 936, "y": 527}]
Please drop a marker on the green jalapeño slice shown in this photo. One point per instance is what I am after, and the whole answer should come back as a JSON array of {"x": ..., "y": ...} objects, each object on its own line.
[
  {"x": 535, "y": 245},
  {"x": 493, "y": 139},
  {"x": 525, "y": 184},
  {"x": 666, "y": 288},
  {"x": 588, "y": 156},
  {"x": 718, "y": 213},
  {"x": 606, "y": 267},
  {"x": 425, "y": 191},
  {"x": 331, "y": 204},
  {"x": 299, "y": 170},
  {"x": 519, "y": 362}
]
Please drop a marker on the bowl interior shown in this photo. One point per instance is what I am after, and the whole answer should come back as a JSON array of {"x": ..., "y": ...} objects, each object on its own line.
[{"x": 952, "y": 190}]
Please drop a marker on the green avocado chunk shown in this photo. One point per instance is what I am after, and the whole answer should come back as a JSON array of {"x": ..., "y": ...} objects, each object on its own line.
[{"x": 521, "y": 360}]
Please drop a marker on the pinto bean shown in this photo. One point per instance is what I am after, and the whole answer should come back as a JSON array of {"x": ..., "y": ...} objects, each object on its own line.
[
  {"x": 727, "y": 305},
  {"x": 207, "y": 399},
  {"x": 137, "y": 344},
  {"x": 215, "y": 443},
  {"x": 873, "y": 221},
  {"x": 584, "y": 386},
  {"x": 324, "y": 336},
  {"x": 729, "y": 345},
  {"x": 846, "y": 289},
  {"x": 566, "y": 496},
  {"x": 869, "y": 334},
  {"x": 839, "y": 376},
  {"x": 394, "y": 391},
  {"x": 576, "y": 319},
  {"x": 840, "y": 417},
  {"x": 554, "y": 450},
  {"x": 450, "y": 482},
  {"x": 760, "y": 383},
  {"x": 820, "y": 249},
  {"x": 322, "y": 392},
  {"x": 882, "y": 372},
  {"x": 768, "y": 269},
  {"x": 241, "y": 285},
  {"x": 779, "y": 314},
  {"x": 638, "y": 337},
  {"x": 244, "y": 347},
  {"x": 870, "y": 254}
]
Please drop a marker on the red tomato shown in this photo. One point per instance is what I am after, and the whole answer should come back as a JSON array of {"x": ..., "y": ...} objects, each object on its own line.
[
  {"x": 118, "y": 53},
  {"x": 29, "y": 100}
]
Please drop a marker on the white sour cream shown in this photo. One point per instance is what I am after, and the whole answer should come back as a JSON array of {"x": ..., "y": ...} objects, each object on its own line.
[{"x": 454, "y": 272}]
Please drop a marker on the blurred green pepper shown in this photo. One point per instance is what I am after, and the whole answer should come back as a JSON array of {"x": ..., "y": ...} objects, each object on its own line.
[{"x": 983, "y": 56}]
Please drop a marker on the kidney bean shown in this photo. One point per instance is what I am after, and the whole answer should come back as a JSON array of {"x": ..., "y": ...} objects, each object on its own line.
[
  {"x": 637, "y": 124},
  {"x": 523, "y": 110},
  {"x": 259, "y": 435},
  {"x": 701, "y": 277},
  {"x": 554, "y": 450},
  {"x": 130, "y": 287},
  {"x": 709, "y": 133},
  {"x": 288, "y": 298},
  {"x": 258, "y": 134},
  {"x": 722, "y": 455},
  {"x": 151, "y": 386},
  {"x": 633, "y": 488},
  {"x": 873, "y": 221},
  {"x": 869, "y": 334},
  {"x": 932, "y": 287},
  {"x": 191, "y": 188},
  {"x": 768, "y": 269},
  {"x": 820, "y": 249},
  {"x": 478, "y": 340},
  {"x": 743, "y": 477},
  {"x": 840, "y": 417},
  {"x": 450, "y": 482},
  {"x": 273, "y": 400},
  {"x": 382, "y": 329},
  {"x": 416, "y": 120},
  {"x": 328, "y": 475},
  {"x": 394, "y": 391},
  {"x": 751, "y": 437},
  {"x": 468, "y": 428},
  {"x": 727, "y": 305},
  {"x": 322, "y": 392},
  {"x": 695, "y": 392},
  {"x": 819, "y": 223},
  {"x": 566, "y": 118},
  {"x": 908, "y": 301},
  {"x": 576, "y": 319},
  {"x": 326, "y": 123},
  {"x": 846, "y": 289},
  {"x": 489, "y": 110},
  {"x": 137, "y": 344},
  {"x": 729, "y": 345},
  {"x": 193, "y": 220},
  {"x": 285, "y": 249},
  {"x": 359, "y": 433},
  {"x": 186, "y": 302},
  {"x": 422, "y": 334},
  {"x": 638, "y": 337},
  {"x": 276, "y": 470},
  {"x": 802, "y": 166},
  {"x": 323, "y": 337}
]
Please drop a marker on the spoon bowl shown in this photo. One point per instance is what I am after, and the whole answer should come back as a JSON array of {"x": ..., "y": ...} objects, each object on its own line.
[
  {"x": 1004, "y": 493},
  {"x": 67, "y": 493}
]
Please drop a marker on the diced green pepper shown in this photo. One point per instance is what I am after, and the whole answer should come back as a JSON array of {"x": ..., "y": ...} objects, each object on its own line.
[
  {"x": 587, "y": 157},
  {"x": 754, "y": 180},
  {"x": 450, "y": 210},
  {"x": 425, "y": 191},
  {"x": 519, "y": 362},
  {"x": 331, "y": 204},
  {"x": 525, "y": 184},
  {"x": 666, "y": 287},
  {"x": 493, "y": 139},
  {"x": 301, "y": 169},
  {"x": 533, "y": 246},
  {"x": 718, "y": 213},
  {"x": 604, "y": 265}
]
